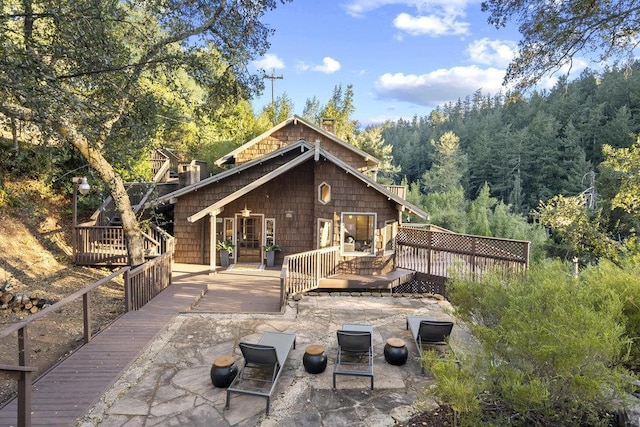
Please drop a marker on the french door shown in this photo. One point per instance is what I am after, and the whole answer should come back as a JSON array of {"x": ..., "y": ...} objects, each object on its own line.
[{"x": 249, "y": 238}]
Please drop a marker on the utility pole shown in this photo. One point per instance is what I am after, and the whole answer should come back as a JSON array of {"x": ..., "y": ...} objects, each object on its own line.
[{"x": 273, "y": 77}]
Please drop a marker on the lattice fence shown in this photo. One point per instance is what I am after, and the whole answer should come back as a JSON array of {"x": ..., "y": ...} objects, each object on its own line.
[{"x": 441, "y": 254}]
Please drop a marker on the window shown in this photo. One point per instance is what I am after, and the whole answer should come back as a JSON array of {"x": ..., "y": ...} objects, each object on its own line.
[
  {"x": 269, "y": 231},
  {"x": 358, "y": 233},
  {"x": 389, "y": 236},
  {"x": 228, "y": 229},
  {"x": 324, "y": 193},
  {"x": 325, "y": 233}
]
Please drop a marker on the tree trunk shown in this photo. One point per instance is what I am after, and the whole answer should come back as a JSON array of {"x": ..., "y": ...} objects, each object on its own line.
[{"x": 132, "y": 231}]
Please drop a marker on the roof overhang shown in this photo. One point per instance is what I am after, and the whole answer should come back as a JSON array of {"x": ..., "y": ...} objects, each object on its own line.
[
  {"x": 301, "y": 145},
  {"x": 217, "y": 206},
  {"x": 368, "y": 158}
]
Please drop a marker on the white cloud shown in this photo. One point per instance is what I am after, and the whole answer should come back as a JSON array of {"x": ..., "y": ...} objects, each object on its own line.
[
  {"x": 329, "y": 66},
  {"x": 358, "y": 8},
  {"x": 431, "y": 25},
  {"x": 440, "y": 86},
  {"x": 269, "y": 62},
  {"x": 431, "y": 17},
  {"x": 497, "y": 53}
]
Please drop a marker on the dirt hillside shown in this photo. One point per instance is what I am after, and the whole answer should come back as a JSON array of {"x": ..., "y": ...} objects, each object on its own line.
[{"x": 35, "y": 258}]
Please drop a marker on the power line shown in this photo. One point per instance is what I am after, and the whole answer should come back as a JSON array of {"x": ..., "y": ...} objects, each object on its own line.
[{"x": 272, "y": 77}]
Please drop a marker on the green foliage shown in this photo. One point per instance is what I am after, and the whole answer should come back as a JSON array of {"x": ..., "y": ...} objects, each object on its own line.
[
  {"x": 626, "y": 163},
  {"x": 339, "y": 107},
  {"x": 225, "y": 245},
  {"x": 454, "y": 385},
  {"x": 553, "y": 36},
  {"x": 371, "y": 141},
  {"x": 448, "y": 167},
  {"x": 272, "y": 248},
  {"x": 624, "y": 281},
  {"x": 530, "y": 148},
  {"x": 610, "y": 230},
  {"x": 448, "y": 209},
  {"x": 551, "y": 347}
]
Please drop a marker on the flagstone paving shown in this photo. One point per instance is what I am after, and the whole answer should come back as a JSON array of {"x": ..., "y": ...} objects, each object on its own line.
[{"x": 169, "y": 384}]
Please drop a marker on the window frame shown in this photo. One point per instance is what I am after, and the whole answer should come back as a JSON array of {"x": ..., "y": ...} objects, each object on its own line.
[
  {"x": 321, "y": 198},
  {"x": 346, "y": 230}
]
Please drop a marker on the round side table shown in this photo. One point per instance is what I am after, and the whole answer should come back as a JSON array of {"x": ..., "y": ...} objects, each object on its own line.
[
  {"x": 223, "y": 371},
  {"x": 395, "y": 351},
  {"x": 314, "y": 359}
]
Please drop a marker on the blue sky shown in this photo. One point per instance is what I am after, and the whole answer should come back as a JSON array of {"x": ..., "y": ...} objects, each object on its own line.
[{"x": 403, "y": 57}]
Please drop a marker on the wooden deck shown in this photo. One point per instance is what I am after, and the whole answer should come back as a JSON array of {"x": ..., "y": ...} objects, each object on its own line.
[
  {"x": 366, "y": 283},
  {"x": 68, "y": 390}
]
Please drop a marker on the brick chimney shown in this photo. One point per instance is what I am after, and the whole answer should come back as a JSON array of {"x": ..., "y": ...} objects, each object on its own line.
[{"x": 328, "y": 125}]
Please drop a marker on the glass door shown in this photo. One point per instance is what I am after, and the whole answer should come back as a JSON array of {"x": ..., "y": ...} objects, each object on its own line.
[{"x": 249, "y": 238}]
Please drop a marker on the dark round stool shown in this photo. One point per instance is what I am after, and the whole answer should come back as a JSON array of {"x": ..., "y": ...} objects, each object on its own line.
[
  {"x": 395, "y": 351},
  {"x": 314, "y": 359},
  {"x": 223, "y": 371}
]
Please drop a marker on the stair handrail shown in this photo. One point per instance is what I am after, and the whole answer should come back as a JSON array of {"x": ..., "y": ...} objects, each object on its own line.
[{"x": 302, "y": 272}]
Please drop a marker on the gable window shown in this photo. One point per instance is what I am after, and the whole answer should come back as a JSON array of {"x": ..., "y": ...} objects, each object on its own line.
[
  {"x": 324, "y": 193},
  {"x": 358, "y": 233}
]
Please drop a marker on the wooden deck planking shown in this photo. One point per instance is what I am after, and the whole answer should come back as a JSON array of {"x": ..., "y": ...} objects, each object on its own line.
[
  {"x": 63, "y": 394},
  {"x": 361, "y": 282}
]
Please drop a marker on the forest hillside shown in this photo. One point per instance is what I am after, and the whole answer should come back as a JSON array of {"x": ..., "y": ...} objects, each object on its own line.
[{"x": 527, "y": 149}]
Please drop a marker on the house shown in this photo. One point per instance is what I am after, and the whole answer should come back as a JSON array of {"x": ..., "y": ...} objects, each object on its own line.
[{"x": 298, "y": 186}]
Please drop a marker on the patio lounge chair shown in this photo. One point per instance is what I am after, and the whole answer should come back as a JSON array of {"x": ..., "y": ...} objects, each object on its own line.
[
  {"x": 428, "y": 331},
  {"x": 263, "y": 364},
  {"x": 355, "y": 352}
]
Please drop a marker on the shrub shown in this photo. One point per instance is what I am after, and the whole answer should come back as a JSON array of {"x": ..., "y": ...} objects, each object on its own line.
[
  {"x": 624, "y": 280},
  {"x": 551, "y": 347}
]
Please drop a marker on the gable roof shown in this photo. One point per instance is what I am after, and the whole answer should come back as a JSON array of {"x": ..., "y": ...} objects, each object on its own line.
[
  {"x": 295, "y": 120},
  {"x": 307, "y": 152},
  {"x": 301, "y": 145}
]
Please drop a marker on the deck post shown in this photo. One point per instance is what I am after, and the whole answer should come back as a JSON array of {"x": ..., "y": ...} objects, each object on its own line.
[
  {"x": 24, "y": 382},
  {"x": 212, "y": 241}
]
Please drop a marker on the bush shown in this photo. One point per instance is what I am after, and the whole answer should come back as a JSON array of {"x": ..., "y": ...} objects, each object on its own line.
[
  {"x": 552, "y": 347},
  {"x": 625, "y": 282}
]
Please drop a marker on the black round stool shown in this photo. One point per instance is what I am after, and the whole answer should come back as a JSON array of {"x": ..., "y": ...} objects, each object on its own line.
[
  {"x": 395, "y": 351},
  {"x": 223, "y": 371},
  {"x": 314, "y": 359}
]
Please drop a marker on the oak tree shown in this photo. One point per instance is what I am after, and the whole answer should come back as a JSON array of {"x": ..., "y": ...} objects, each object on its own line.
[{"x": 76, "y": 70}]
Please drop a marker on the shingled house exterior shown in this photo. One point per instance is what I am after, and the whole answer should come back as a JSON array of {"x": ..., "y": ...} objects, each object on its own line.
[{"x": 297, "y": 186}]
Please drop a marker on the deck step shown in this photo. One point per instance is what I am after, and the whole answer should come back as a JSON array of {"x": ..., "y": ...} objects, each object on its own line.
[{"x": 366, "y": 282}]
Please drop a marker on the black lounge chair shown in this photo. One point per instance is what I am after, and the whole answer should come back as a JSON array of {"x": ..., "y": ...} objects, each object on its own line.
[
  {"x": 263, "y": 364},
  {"x": 428, "y": 331},
  {"x": 355, "y": 353}
]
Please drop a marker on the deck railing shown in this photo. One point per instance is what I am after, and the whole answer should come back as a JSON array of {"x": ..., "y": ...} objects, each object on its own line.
[
  {"x": 141, "y": 284},
  {"x": 24, "y": 370},
  {"x": 442, "y": 253},
  {"x": 301, "y": 272},
  {"x": 145, "y": 281},
  {"x": 106, "y": 245}
]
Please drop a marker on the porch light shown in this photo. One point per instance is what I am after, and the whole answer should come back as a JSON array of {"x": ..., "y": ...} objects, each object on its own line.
[
  {"x": 84, "y": 186},
  {"x": 246, "y": 212},
  {"x": 80, "y": 185},
  {"x": 288, "y": 214}
]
